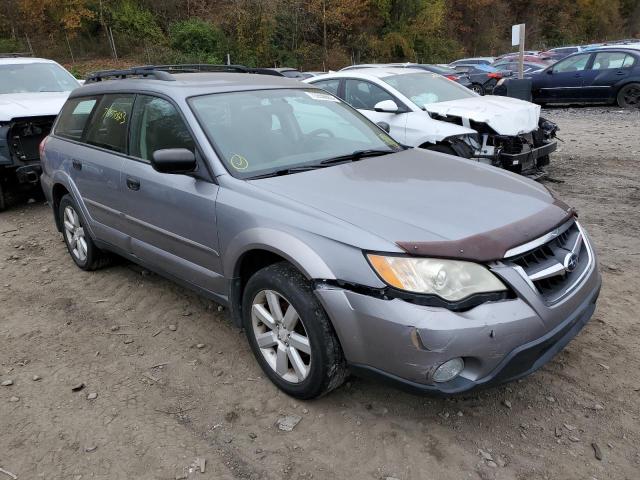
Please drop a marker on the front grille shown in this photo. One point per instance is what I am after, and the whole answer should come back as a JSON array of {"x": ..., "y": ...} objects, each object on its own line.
[{"x": 556, "y": 264}]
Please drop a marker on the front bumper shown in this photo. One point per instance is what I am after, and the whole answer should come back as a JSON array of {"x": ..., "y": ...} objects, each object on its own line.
[
  {"x": 528, "y": 160},
  {"x": 404, "y": 343}
]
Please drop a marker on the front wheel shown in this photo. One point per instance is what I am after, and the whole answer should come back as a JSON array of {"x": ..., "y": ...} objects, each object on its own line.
[
  {"x": 290, "y": 334},
  {"x": 80, "y": 245},
  {"x": 629, "y": 96}
]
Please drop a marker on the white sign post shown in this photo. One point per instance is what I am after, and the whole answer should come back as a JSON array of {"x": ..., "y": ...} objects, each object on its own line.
[{"x": 517, "y": 38}]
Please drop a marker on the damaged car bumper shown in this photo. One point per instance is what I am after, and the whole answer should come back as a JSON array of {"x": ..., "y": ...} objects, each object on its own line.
[
  {"x": 529, "y": 158},
  {"x": 405, "y": 343}
]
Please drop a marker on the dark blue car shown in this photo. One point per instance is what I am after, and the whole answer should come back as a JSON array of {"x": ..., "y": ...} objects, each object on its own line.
[{"x": 598, "y": 76}]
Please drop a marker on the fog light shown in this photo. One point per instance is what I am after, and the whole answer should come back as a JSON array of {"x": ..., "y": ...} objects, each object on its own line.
[{"x": 448, "y": 370}]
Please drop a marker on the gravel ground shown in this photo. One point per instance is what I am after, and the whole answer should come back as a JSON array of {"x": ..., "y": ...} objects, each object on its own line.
[{"x": 157, "y": 398}]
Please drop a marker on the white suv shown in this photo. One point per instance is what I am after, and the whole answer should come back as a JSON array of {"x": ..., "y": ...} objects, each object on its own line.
[
  {"x": 32, "y": 92},
  {"x": 423, "y": 109}
]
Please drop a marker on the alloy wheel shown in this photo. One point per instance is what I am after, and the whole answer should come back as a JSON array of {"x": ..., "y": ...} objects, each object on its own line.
[
  {"x": 281, "y": 336},
  {"x": 75, "y": 234},
  {"x": 632, "y": 96}
]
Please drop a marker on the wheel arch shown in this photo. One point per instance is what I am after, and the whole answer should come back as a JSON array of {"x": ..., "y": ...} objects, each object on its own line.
[{"x": 255, "y": 249}]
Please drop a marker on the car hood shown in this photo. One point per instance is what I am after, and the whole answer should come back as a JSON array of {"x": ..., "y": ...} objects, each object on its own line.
[
  {"x": 419, "y": 198},
  {"x": 19, "y": 105},
  {"x": 505, "y": 115}
]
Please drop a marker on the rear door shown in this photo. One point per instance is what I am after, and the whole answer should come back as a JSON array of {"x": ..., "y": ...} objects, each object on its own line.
[
  {"x": 364, "y": 95},
  {"x": 564, "y": 81},
  {"x": 170, "y": 218},
  {"x": 607, "y": 70},
  {"x": 96, "y": 128}
]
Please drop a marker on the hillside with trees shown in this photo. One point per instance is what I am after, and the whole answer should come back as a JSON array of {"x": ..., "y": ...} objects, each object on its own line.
[{"x": 308, "y": 34}]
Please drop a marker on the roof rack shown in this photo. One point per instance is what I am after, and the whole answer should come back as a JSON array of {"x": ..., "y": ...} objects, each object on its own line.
[
  {"x": 15, "y": 54},
  {"x": 163, "y": 72}
]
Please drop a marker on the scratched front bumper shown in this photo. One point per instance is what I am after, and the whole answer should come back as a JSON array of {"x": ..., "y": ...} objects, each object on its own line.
[{"x": 403, "y": 343}]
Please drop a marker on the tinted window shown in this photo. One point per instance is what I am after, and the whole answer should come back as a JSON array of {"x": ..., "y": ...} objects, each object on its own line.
[
  {"x": 606, "y": 60},
  {"x": 74, "y": 116},
  {"x": 110, "y": 123},
  {"x": 572, "y": 64},
  {"x": 364, "y": 95},
  {"x": 330, "y": 86},
  {"x": 157, "y": 125}
]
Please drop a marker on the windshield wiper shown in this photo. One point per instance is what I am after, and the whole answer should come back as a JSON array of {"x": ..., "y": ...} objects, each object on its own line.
[
  {"x": 357, "y": 155},
  {"x": 287, "y": 171}
]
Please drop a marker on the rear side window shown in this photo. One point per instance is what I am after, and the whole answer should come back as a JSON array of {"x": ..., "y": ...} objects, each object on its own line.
[
  {"x": 330, "y": 86},
  {"x": 110, "y": 123},
  {"x": 607, "y": 60},
  {"x": 157, "y": 125},
  {"x": 74, "y": 116}
]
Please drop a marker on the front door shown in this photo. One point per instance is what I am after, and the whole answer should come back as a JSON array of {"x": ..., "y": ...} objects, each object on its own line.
[
  {"x": 364, "y": 95},
  {"x": 563, "y": 82},
  {"x": 170, "y": 218}
]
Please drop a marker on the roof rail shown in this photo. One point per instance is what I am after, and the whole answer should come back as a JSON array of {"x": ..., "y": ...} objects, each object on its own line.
[
  {"x": 163, "y": 72},
  {"x": 15, "y": 54}
]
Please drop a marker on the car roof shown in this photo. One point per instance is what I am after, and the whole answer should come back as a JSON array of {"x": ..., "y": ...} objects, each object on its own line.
[
  {"x": 190, "y": 84},
  {"x": 23, "y": 60},
  {"x": 375, "y": 72}
]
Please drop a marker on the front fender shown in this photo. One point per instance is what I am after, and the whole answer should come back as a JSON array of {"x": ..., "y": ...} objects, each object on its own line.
[{"x": 281, "y": 243}]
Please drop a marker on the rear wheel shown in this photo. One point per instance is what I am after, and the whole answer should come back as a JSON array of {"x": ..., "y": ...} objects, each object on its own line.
[
  {"x": 290, "y": 333},
  {"x": 80, "y": 245},
  {"x": 629, "y": 96},
  {"x": 479, "y": 89}
]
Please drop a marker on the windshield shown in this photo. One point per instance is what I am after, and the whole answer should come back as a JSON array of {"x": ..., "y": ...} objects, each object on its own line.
[
  {"x": 260, "y": 132},
  {"x": 425, "y": 88},
  {"x": 35, "y": 77}
]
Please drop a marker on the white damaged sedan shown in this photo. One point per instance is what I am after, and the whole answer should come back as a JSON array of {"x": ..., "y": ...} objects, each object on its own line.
[{"x": 427, "y": 110}]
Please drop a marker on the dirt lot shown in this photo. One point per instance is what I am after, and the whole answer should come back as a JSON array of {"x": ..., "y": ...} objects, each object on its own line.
[{"x": 162, "y": 402}]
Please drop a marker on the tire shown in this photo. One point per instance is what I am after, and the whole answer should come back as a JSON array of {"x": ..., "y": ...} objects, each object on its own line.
[
  {"x": 629, "y": 96},
  {"x": 442, "y": 149},
  {"x": 307, "y": 341},
  {"x": 479, "y": 89},
  {"x": 80, "y": 245}
]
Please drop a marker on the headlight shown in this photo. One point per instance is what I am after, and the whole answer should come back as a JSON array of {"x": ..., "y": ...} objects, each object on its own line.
[{"x": 451, "y": 280}]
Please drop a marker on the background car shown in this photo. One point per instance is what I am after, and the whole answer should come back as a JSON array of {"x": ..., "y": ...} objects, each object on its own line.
[
  {"x": 605, "y": 75},
  {"x": 423, "y": 109},
  {"x": 445, "y": 71},
  {"x": 473, "y": 61},
  {"x": 512, "y": 66},
  {"x": 483, "y": 77},
  {"x": 32, "y": 92},
  {"x": 555, "y": 54},
  {"x": 289, "y": 72}
]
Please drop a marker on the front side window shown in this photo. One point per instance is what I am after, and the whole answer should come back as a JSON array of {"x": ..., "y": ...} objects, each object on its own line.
[
  {"x": 425, "y": 88},
  {"x": 110, "y": 123},
  {"x": 74, "y": 116},
  {"x": 35, "y": 78},
  {"x": 260, "y": 132},
  {"x": 156, "y": 125},
  {"x": 572, "y": 64},
  {"x": 605, "y": 60},
  {"x": 364, "y": 95}
]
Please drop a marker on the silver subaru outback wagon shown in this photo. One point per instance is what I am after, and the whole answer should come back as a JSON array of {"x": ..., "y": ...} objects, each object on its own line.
[{"x": 335, "y": 248}]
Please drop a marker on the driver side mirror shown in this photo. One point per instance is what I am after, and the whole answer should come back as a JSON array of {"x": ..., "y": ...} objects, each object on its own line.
[
  {"x": 384, "y": 126},
  {"x": 387, "y": 106},
  {"x": 174, "y": 160}
]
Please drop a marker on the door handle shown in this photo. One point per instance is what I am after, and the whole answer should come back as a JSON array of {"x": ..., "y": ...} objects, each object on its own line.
[
  {"x": 133, "y": 183},
  {"x": 620, "y": 73},
  {"x": 77, "y": 164}
]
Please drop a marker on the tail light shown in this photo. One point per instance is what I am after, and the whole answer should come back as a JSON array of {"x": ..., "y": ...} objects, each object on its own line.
[
  {"x": 496, "y": 75},
  {"x": 455, "y": 78},
  {"x": 41, "y": 146}
]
